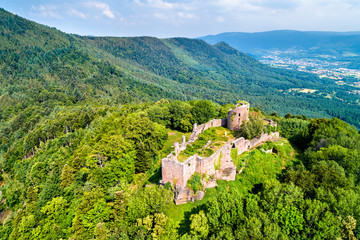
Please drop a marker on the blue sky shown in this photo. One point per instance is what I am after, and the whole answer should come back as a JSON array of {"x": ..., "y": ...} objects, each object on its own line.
[{"x": 173, "y": 18}]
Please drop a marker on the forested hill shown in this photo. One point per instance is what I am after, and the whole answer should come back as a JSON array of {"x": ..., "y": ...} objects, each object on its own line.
[
  {"x": 43, "y": 67},
  {"x": 322, "y": 42},
  {"x": 94, "y": 172}
]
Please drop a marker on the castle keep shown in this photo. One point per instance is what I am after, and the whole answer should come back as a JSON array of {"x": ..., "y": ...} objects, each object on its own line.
[
  {"x": 237, "y": 116},
  {"x": 217, "y": 166}
]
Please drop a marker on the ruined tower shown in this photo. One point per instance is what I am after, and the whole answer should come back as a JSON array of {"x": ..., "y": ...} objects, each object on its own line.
[{"x": 237, "y": 116}]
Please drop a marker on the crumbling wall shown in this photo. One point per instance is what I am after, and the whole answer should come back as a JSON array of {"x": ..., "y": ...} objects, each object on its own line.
[
  {"x": 197, "y": 130},
  {"x": 270, "y": 122},
  {"x": 172, "y": 171},
  {"x": 241, "y": 144},
  {"x": 264, "y": 138},
  {"x": 178, "y": 173},
  {"x": 237, "y": 116},
  {"x": 189, "y": 167},
  {"x": 205, "y": 166},
  {"x": 218, "y": 164},
  {"x": 184, "y": 195},
  {"x": 227, "y": 169}
]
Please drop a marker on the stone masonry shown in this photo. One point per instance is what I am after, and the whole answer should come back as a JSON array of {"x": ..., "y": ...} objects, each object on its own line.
[
  {"x": 218, "y": 166},
  {"x": 237, "y": 116}
]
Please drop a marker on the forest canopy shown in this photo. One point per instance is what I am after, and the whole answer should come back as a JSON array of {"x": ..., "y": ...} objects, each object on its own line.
[{"x": 93, "y": 172}]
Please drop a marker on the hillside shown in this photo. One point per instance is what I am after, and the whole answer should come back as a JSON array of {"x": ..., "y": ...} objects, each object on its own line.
[
  {"x": 43, "y": 67},
  {"x": 333, "y": 43},
  {"x": 332, "y": 55},
  {"x": 93, "y": 173}
]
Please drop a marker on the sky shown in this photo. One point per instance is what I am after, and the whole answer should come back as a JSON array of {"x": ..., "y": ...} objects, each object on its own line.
[{"x": 175, "y": 18}]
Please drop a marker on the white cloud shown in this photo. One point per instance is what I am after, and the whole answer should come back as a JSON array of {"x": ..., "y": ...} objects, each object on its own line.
[
  {"x": 47, "y": 11},
  {"x": 219, "y": 19},
  {"x": 165, "y": 5},
  {"x": 106, "y": 11},
  {"x": 157, "y": 4},
  {"x": 161, "y": 4},
  {"x": 186, "y": 15},
  {"x": 83, "y": 10},
  {"x": 76, "y": 13},
  {"x": 231, "y": 5},
  {"x": 160, "y": 16},
  {"x": 201, "y": 17},
  {"x": 254, "y": 5}
]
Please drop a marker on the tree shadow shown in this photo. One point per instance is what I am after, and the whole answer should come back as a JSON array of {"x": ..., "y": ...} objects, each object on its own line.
[
  {"x": 156, "y": 177},
  {"x": 184, "y": 226},
  {"x": 258, "y": 187}
]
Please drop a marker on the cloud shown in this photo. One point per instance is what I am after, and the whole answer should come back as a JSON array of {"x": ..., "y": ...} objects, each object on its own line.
[
  {"x": 200, "y": 17},
  {"x": 187, "y": 15},
  {"x": 160, "y": 16},
  {"x": 235, "y": 5},
  {"x": 278, "y": 4},
  {"x": 161, "y": 4},
  {"x": 47, "y": 11},
  {"x": 255, "y": 5},
  {"x": 76, "y": 13},
  {"x": 186, "y": 5},
  {"x": 81, "y": 10},
  {"x": 106, "y": 11},
  {"x": 219, "y": 19},
  {"x": 156, "y": 4}
]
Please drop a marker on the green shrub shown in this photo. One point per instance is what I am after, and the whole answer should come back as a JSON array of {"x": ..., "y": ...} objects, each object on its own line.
[
  {"x": 194, "y": 183},
  {"x": 167, "y": 186}
]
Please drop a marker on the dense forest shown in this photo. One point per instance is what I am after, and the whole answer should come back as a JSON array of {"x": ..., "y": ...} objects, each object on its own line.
[
  {"x": 41, "y": 66},
  {"x": 92, "y": 172},
  {"x": 85, "y": 122}
]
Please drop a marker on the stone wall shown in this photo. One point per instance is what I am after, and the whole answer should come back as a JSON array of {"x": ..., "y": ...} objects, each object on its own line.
[
  {"x": 217, "y": 166},
  {"x": 184, "y": 195},
  {"x": 172, "y": 171},
  {"x": 197, "y": 130},
  {"x": 178, "y": 173},
  {"x": 237, "y": 116},
  {"x": 205, "y": 166},
  {"x": 264, "y": 138},
  {"x": 242, "y": 145},
  {"x": 189, "y": 166}
]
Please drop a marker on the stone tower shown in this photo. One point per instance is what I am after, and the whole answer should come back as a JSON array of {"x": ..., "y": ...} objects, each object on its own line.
[{"x": 237, "y": 115}]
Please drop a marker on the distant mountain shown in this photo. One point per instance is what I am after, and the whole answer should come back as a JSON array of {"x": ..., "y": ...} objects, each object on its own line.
[
  {"x": 320, "y": 42},
  {"x": 41, "y": 67}
]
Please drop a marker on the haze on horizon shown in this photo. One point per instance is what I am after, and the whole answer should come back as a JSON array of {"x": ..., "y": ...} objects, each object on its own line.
[{"x": 175, "y": 18}]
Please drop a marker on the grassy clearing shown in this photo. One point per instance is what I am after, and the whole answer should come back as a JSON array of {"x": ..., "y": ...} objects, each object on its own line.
[
  {"x": 218, "y": 137},
  {"x": 261, "y": 166},
  {"x": 173, "y": 136}
]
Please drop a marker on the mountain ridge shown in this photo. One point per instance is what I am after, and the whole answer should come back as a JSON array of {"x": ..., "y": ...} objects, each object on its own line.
[
  {"x": 315, "y": 42},
  {"x": 45, "y": 67}
]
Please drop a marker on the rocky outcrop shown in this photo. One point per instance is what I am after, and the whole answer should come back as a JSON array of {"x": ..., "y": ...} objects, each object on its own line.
[{"x": 184, "y": 195}]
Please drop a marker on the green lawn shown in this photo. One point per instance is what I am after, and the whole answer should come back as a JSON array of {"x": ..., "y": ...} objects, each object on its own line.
[
  {"x": 173, "y": 136},
  {"x": 218, "y": 137}
]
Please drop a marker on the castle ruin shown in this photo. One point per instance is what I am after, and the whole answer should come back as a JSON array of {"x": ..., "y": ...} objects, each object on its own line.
[{"x": 217, "y": 166}]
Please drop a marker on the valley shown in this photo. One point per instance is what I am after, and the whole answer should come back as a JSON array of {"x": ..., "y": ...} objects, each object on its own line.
[{"x": 332, "y": 56}]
